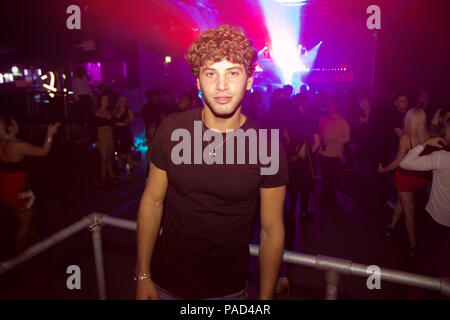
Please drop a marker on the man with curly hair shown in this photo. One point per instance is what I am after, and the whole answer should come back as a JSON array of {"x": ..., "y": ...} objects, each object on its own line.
[{"x": 201, "y": 250}]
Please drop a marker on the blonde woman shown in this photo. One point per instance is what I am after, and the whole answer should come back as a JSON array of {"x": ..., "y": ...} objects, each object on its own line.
[
  {"x": 14, "y": 189},
  {"x": 408, "y": 181},
  {"x": 104, "y": 123}
]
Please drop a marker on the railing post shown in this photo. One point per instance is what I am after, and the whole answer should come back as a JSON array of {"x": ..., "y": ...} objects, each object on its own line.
[
  {"x": 96, "y": 229},
  {"x": 332, "y": 285},
  {"x": 445, "y": 286}
]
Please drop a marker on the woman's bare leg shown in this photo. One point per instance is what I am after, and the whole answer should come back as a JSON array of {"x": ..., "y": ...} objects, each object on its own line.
[
  {"x": 407, "y": 199},
  {"x": 109, "y": 157},
  {"x": 24, "y": 218},
  {"x": 398, "y": 211}
]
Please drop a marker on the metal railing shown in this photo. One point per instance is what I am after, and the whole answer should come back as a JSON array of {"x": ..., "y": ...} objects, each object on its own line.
[{"x": 333, "y": 267}]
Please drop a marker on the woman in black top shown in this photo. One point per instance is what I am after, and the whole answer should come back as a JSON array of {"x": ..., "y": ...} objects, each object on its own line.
[{"x": 105, "y": 139}]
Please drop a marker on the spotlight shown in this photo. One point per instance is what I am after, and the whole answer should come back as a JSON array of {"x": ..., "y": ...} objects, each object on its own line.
[
  {"x": 168, "y": 59},
  {"x": 15, "y": 70}
]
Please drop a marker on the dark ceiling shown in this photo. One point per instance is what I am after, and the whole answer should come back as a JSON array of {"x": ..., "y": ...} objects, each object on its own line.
[{"x": 38, "y": 27}]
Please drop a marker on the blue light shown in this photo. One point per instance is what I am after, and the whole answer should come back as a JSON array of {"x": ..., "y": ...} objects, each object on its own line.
[{"x": 140, "y": 143}]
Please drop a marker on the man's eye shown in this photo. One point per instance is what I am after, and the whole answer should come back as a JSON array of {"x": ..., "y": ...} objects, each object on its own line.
[
  {"x": 210, "y": 74},
  {"x": 234, "y": 73}
]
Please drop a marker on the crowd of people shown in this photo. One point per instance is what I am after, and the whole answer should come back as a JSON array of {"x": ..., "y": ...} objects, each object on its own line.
[
  {"x": 336, "y": 132},
  {"x": 321, "y": 135}
]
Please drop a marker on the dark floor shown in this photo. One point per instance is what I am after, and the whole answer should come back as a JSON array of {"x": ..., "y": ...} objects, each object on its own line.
[{"x": 66, "y": 187}]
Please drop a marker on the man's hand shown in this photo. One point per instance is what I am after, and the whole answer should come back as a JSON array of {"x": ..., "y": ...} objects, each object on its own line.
[
  {"x": 437, "y": 142},
  {"x": 146, "y": 290}
]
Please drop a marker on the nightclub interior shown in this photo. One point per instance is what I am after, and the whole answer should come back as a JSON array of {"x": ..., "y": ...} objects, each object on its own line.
[{"x": 88, "y": 88}]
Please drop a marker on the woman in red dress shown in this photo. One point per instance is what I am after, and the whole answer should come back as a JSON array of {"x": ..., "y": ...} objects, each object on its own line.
[
  {"x": 14, "y": 189},
  {"x": 407, "y": 181}
]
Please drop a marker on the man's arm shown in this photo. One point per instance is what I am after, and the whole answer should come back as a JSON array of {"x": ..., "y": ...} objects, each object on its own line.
[
  {"x": 148, "y": 222},
  {"x": 271, "y": 238},
  {"x": 413, "y": 160}
]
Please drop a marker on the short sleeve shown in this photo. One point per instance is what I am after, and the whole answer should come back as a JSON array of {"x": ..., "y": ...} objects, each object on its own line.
[
  {"x": 158, "y": 148},
  {"x": 281, "y": 177}
]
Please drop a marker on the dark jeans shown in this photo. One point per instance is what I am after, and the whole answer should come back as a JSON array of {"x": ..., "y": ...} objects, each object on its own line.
[
  {"x": 294, "y": 192},
  {"x": 330, "y": 176},
  {"x": 348, "y": 155},
  {"x": 363, "y": 141}
]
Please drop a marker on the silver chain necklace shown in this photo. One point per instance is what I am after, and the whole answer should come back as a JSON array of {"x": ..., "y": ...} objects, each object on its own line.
[{"x": 212, "y": 153}]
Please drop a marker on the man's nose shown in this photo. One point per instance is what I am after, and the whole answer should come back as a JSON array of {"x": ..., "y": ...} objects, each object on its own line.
[{"x": 222, "y": 83}]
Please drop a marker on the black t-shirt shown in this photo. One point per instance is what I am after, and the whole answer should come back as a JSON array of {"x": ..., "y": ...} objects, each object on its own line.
[{"x": 203, "y": 251}]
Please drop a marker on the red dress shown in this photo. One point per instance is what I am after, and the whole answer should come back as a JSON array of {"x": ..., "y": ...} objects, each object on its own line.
[
  {"x": 410, "y": 180},
  {"x": 13, "y": 183}
]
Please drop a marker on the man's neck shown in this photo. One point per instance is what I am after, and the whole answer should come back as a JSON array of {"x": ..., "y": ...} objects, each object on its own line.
[{"x": 211, "y": 121}]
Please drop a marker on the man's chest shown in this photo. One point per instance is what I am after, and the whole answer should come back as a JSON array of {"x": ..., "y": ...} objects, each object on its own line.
[{"x": 227, "y": 182}]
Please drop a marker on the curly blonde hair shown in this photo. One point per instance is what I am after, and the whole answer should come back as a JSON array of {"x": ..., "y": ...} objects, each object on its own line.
[{"x": 224, "y": 42}]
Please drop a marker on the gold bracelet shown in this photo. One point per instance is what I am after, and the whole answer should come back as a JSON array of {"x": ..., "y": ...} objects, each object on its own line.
[{"x": 142, "y": 276}]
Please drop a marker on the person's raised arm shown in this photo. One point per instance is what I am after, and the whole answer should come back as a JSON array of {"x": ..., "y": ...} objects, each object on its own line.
[
  {"x": 27, "y": 149},
  {"x": 413, "y": 160},
  {"x": 271, "y": 238},
  {"x": 148, "y": 223}
]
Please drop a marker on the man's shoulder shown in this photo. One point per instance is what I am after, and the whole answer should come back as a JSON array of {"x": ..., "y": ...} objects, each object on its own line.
[
  {"x": 182, "y": 119},
  {"x": 253, "y": 124}
]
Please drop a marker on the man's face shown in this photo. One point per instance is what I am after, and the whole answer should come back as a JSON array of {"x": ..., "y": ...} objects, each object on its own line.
[
  {"x": 401, "y": 103},
  {"x": 332, "y": 106},
  {"x": 223, "y": 85}
]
